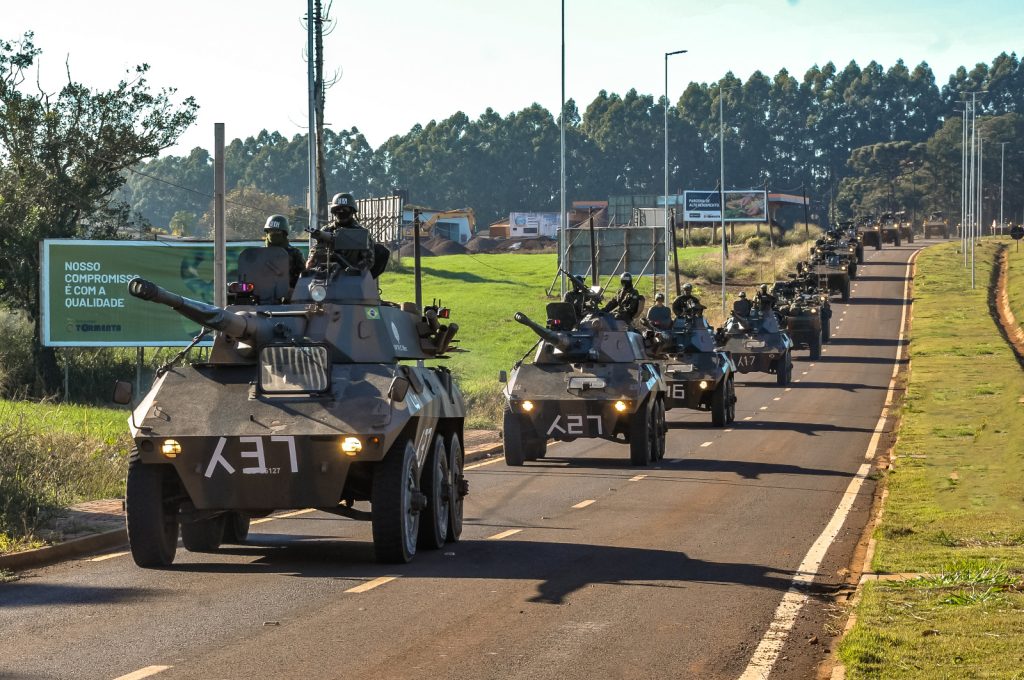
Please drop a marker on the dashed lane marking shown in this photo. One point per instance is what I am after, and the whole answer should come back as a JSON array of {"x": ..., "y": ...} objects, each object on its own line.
[
  {"x": 111, "y": 556},
  {"x": 764, "y": 408},
  {"x": 284, "y": 516},
  {"x": 637, "y": 478},
  {"x": 788, "y": 389},
  {"x": 705, "y": 444},
  {"x": 370, "y": 585},
  {"x": 503, "y": 534},
  {"x": 776, "y": 398},
  {"x": 583, "y": 504},
  {"x": 143, "y": 673},
  {"x": 728, "y": 429},
  {"x": 748, "y": 417},
  {"x": 804, "y": 373}
]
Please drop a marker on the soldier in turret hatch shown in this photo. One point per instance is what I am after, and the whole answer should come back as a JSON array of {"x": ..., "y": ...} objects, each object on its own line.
[
  {"x": 687, "y": 304},
  {"x": 343, "y": 211},
  {"x": 275, "y": 235},
  {"x": 764, "y": 300},
  {"x": 626, "y": 301}
]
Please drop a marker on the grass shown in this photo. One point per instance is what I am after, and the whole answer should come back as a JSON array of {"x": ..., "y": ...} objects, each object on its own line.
[
  {"x": 51, "y": 457},
  {"x": 955, "y": 508},
  {"x": 1015, "y": 287}
]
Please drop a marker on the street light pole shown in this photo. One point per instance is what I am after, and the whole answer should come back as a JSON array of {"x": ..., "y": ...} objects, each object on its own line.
[
  {"x": 1002, "y": 176},
  {"x": 669, "y": 241},
  {"x": 721, "y": 181},
  {"x": 563, "y": 222}
]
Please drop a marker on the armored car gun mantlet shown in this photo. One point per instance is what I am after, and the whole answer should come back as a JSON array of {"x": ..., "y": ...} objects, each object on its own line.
[
  {"x": 696, "y": 375},
  {"x": 589, "y": 378},
  {"x": 308, "y": 404}
]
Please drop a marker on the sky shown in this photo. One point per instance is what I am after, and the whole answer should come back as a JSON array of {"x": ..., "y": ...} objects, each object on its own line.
[{"x": 402, "y": 62}]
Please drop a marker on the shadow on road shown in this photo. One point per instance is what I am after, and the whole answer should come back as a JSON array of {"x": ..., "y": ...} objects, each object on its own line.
[
  {"x": 27, "y": 593},
  {"x": 897, "y": 301},
  {"x": 752, "y": 469},
  {"x": 864, "y": 277},
  {"x": 846, "y": 387},
  {"x": 809, "y": 429},
  {"x": 868, "y": 342}
]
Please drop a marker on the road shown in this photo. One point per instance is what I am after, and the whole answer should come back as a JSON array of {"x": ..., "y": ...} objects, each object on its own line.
[{"x": 578, "y": 566}]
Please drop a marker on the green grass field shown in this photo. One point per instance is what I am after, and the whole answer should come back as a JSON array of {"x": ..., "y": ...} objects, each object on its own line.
[{"x": 955, "y": 510}]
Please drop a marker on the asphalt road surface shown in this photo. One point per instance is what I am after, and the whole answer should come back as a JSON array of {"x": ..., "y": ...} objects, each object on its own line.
[{"x": 577, "y": 566}]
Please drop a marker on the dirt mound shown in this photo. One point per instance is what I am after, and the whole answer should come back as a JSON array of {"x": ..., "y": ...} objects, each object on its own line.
[
  {"x": 444, "y": 246},
  {"x": 482, "y": 244},
  {"x": 409, "y": 250}
]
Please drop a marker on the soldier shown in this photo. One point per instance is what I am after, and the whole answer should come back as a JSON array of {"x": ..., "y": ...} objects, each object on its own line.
[
  {"x": 627, "y": 300},
  {"x": 741, "y": 307},
  {"x": 275, "y": 235},
  {"x": 687, "y": 303},
  {"x": 765, "y": 300},
  {"x": 343, "y": 212}
]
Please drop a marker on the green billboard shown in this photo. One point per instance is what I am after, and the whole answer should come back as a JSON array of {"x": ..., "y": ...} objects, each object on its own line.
[{"x": 84, "y": 287}]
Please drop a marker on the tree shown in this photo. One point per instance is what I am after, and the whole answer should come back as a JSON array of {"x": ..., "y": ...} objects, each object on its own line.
[
  {"x": 62, "y": 157},
  {"x": 245, "y": 212}
]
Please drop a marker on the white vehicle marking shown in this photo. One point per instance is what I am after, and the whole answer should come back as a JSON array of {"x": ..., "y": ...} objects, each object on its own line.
[
  {"x": 259, "y": 454},
  {"x": 261, "y": 459},
  {"x": 679, "y": 390},
  {"x": 574, "y": 425},
  {"x": 218, "y": 457}
]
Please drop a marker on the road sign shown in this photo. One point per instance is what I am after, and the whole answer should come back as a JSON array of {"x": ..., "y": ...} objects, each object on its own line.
[{"x": 1017, "y": 232}]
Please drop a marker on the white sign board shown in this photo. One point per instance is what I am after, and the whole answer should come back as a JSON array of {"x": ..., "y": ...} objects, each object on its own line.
[{"x": 533, "y": 225}]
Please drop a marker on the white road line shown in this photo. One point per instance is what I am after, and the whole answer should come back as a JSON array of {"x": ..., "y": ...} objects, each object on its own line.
[
  {"x": 284, "y": 516},
  {"x": 776, "y": 398},
  {"x": 583, "y": 504},
  {"x": 804, "y": 373},
  {"x": 486, "y": 462},
  {"x": 143, "y": 673},
  {"x": 796, "y": 380},
  {"x": 748, "y": 417},
  {"x": 370, "y": 585},
  {"x": 503, "y": 534},
  {"x": 111, "y": 556},
  {"x": 728, "y": 429},
  {"x": 767, "y": 652},
  {"x": 764, "y": 408},
  {"x": 637, "y": 478},
  {"x": 705, "y": 444},
  {"x": 787, "y": 389}
]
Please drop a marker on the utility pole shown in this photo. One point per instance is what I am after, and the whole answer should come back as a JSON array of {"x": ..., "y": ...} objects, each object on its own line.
[
  {"x": 311, "y": 145},
  {"x": 318, "y": 87},
  {"x": 1002, "y": 176},
  {"x": 563, "y": 220},
  {"x": 669, "y": 236},
  {"x": 721, "y": 185}
]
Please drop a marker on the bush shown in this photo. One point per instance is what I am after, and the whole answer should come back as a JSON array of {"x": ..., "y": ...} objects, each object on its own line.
[
  {"x": 16, "y": 366},
  {"x": 755, "y": 244}
]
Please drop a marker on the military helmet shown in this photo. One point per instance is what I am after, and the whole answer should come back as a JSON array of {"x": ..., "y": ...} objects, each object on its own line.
[
  {"x": 276, "y": 223},
  {"x": 659, "y": 297},
  {"x": 687, "y": 287},
  {"x": 626, "y": 276},
  {"x": 743, "y": 295},
  {"x": 343, "y": 200},
  {"x": 764, "y": 288}
]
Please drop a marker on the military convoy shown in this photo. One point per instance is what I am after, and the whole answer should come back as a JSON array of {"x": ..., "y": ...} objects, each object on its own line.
[{"x": 311, "y": 403}]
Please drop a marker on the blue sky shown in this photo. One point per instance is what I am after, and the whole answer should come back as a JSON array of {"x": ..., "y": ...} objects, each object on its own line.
[{"x": 406, "y": 61}]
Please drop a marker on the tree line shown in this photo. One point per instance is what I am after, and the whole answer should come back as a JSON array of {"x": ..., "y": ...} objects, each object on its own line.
[{"x": 856, "y": 139}]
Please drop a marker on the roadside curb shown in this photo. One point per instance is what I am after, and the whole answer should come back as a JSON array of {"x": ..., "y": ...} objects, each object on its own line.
[{"x": 118, "y": 538}]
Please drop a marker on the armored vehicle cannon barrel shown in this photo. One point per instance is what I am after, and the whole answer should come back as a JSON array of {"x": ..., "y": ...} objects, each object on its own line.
[
  {"x": 560, "y": 340},
  {"x": 230, "y": 323}
]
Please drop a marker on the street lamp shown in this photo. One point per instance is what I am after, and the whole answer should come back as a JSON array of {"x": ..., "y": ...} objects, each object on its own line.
[
  {"x": 563, "y": 222},
  {"x": 721, "y": 179},
  {"x": 669, "y": 241}
]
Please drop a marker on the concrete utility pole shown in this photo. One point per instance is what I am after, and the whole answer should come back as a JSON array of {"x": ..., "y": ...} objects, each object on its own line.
[
  {"x": 1002, "y": 177},
  {"x": 311, "y": 145},
  {"x": 220, "y": 277},
  {"x": 318, "y": 88},
  {"x": 563, "y": 219},
  {"x": 669, "y": 240},
  {"x": 721, "y": 180}
]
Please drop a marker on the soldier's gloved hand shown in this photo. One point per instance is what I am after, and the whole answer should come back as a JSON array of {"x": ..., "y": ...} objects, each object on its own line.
[{"x": 318, "y": 235}]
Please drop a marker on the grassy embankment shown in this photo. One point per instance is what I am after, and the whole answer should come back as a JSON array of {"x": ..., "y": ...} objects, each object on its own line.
[
  {"x": 955, "y": 511},
  {"x": 52, "y": 456}
]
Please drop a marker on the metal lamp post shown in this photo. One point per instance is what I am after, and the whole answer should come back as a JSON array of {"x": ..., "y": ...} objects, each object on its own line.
[
  {"x": 1002, "y": 176},
  {"x": 669, "y": 241},
  {"x": 563, "y": 222}
]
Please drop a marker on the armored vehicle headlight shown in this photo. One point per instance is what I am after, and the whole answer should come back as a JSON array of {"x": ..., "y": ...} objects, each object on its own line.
[
  {"x": 170, "y": 448},
  {"x": 527, "y": 406},
  {"x": 814, "y": 311},
  {"x": 621, "y": 406},
  {"x": 318, "y": 292},
  {"x": 703, "y": 384},
  {"x": 351, "y": 445}
]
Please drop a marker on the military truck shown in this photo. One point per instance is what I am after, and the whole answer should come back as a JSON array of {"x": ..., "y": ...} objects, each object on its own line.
[
  {"x": 936, "y": 226},
  {"x": 315, "y": 403},
  {"x": 754, "y": 341},
  {"x": 697, "y": 376},
  {"x": 849, "y": 232},
  {"x": 589, "y": 378}
]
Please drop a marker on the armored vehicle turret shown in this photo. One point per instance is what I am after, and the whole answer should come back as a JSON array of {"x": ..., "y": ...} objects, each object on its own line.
[
  {"x": 589, "y": 378},
  {"x": 755, "y": 342},
  {"x": 696, "y": 375},
  {"x": 318, "y": 402}
]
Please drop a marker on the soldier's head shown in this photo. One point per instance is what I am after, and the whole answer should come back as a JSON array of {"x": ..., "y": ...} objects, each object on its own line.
[
  {"x": 764, "y": 289},
  {"x": 626, "y": 280},
  {"x": 275, "y": 231},
  {"x": 659, "y": 298},
  {"x": 687, "y": 288},
  {"x": 343, "y": 208},
  {"x": 743, "y": 295}
]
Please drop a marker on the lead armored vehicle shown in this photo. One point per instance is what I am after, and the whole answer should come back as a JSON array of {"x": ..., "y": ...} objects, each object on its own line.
[
  {"x": 755, "y": 342},
  {"x": 589, "y": 378},
  {"x": 697, "y": 376},
  {"x": 308, "y": 404}
]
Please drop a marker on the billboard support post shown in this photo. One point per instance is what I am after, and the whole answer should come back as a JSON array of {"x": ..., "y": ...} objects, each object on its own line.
[{"x": 220, "y": 286}]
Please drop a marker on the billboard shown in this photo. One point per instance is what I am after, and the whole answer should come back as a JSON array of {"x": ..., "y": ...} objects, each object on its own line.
[
  {"x": 740, "y": 206},
  {"x": 84, "y": 289},
  {"x": 533, "y": 225}
]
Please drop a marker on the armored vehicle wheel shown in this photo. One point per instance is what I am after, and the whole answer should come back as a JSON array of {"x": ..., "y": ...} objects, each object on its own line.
[
  {"x": 816, "y": 347},
  {"x": 896, "y": 240},
  {"x": 203, "y": 535},
  {"x": 910, "y": 239},
  {"x": 878, "y": 244},
  {"x": 519, "y": 445},
  {"x": 860, "y": 253},
  {"x": 846, "y": 291},
  {"x": 436, "y": 484},
  {"x": 782, "y": 369},
  {"x": 660, "y": 430},
  {"x": 236, "y": 528},
  {"x": 396, "y": 503},
  {"x": 731, "y": 396},
  {"x": 152, "y": 518},
  {"x": 642, "y": 434},
  {"x": 458, "y": 489},
  {"x": 720, "y": 405},
  {"x": 853, "y": 270}
]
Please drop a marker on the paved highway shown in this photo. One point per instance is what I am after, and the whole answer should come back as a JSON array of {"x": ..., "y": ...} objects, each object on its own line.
[{"x": 578, "y": 566}]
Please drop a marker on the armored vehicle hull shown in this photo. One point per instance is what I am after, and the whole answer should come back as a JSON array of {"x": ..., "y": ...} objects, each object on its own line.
[
  {"x": 836, "y": 277},
  {"x": 753, "y": 348},
  {"x": 809, "y": 329},
  {"x": 702, "y": 381},
  {"x": 936, "y": 229}
]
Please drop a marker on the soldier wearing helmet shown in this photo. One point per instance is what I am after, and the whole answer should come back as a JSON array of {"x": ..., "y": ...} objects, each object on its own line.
[
  {"x": 687, "y": 304},
  {"x": 765, "y": 300},
  {"x": 275, "y": 235},
  {"x": 343, "y": 210},
  {"x": 742, "y": 306},
  {"x": 626, "y": 301}
]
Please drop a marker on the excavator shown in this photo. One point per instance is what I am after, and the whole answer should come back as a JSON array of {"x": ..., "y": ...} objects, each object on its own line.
[{"x": 455, "y": 225}]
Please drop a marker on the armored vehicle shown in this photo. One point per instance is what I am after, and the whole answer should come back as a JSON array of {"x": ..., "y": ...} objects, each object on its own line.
[
  {"x": 847, "y": 248},
  {"x": 806, "y": 312},
  {"x": 755, "y": 342},
  {"x": 307, "y": 404},
  {"x": 831, "y": 269},
  {"x": 697, "y": 376},
  {"x": 936, "y": 225},
  {"x": 849, "y": 232},
  {"x": 905, "y": 226},
  {"x": 589, "y": 378},
  {"x": 889, "y": 228},
  {"x": 870, "y": 231}
]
